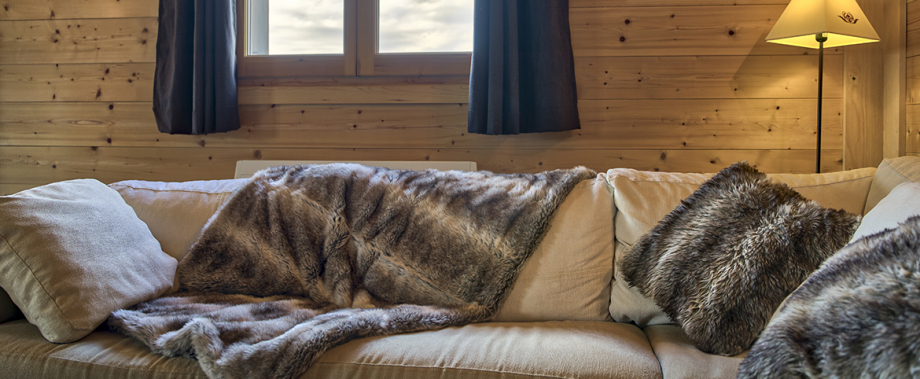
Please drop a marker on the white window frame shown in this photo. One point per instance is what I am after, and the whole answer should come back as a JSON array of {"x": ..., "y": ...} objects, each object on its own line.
[{"x": 360, "y": 56}]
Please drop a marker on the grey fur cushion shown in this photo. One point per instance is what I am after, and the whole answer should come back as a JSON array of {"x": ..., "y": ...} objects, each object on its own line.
[
  {"x": 722, "y": 261},
  {"x": 856, "y": 317}
]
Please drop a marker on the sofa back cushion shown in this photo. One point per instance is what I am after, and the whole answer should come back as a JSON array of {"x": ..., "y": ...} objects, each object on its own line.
[
  {"x": 567, "y": 278},
  {"x": 643, "y": 198},
  {"x": 176, "y": 212},
  {"x": 568, "y": 275},
  {"x": 891, "y": 172}
]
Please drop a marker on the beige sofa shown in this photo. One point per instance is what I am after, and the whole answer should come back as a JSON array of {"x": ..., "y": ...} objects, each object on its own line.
[{"x": 569, "y": 315}]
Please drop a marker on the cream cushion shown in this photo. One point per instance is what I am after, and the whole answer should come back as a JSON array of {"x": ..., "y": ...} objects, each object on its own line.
[
  {"x": 72, "y": 252},
  {"x": 900, "y": 204},
  {"x": 891, "y": 172},
  {"x": 643, "y": 198},
  {"x": 175, "y": 212},
  {"x": 585, "y": 349},
  {"x": 567, "y": 277},
  {"x": 679, "y": 359}
]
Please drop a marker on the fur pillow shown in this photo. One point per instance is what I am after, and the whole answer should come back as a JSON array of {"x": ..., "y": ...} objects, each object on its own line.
[
  {"x": 856, "y": 317},
  {"x": 722, "y": 261}
]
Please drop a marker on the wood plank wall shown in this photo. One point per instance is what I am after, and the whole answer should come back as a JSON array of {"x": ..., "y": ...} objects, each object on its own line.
[
  {"x": 671, "y": 85},
  {"x": 913, "y": 78}
]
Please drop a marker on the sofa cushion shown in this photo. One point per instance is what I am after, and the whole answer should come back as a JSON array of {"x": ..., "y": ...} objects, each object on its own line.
[
  {"x": 679, "y": 359},
  {"x": 891, "y": 172},
  {"x": 900, "y": 204},
  {"x": 584, "y": 349},
  {"x": 72, "y": 252},
  {"x": 722, "y": 261},
  {"x": 566, "y": 278},
  {"x": 175, "y": 212},
  {"x": 24, "y": 354},
  {"x": 643, "y": 198},
  {"x": 568, "y": 275}
]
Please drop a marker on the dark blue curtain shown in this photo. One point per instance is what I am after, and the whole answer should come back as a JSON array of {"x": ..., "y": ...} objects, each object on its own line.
[
  {"x": 523, "y": 73},
  {"x": 194, "y": 89}
]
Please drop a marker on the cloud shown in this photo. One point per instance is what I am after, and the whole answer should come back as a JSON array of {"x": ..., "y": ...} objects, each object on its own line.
[
  {"x": 306, "y": 27},
  {"x": 425, "y": 25},
  {"x": 316, "y": 26}
]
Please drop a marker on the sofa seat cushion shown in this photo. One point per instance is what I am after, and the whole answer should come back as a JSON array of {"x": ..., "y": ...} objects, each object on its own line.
[
  {"x": 24, "y": 354},
  {"x": 643, "y": 198},
  {"x": 680, "y": 359},
  {"x": 584, "y": 349},
  {"x": 559, "y": 349}
]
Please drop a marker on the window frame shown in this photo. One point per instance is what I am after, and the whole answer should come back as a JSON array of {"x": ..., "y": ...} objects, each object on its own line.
[{"x": 360, "y": 56}]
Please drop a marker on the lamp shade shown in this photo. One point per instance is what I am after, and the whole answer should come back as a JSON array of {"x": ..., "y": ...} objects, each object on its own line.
[{"x": 842, "y": 22}]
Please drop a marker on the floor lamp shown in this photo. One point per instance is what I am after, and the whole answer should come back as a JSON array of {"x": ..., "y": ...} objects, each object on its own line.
[{"x": 817, "y": 24}]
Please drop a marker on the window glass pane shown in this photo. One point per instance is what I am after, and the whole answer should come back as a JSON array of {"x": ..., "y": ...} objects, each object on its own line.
[
  {"x": 408, "y": 26},
  {"x": 301, "y": 27}
]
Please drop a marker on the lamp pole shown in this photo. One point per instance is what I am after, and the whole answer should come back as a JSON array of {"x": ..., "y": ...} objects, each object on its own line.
[{"x": 821, "y": 38}]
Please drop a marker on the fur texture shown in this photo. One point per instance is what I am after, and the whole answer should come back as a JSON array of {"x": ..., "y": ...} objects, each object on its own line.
[
  {"x": 856, "y": 317},
  {"x": 722, "y": 261},
  {"x": 303, "y": 258}
]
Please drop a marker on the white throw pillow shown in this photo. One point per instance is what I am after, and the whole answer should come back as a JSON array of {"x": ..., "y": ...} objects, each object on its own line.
[
  {"x": 72, "y": 252},
  {"x": 898, "y": 206},
  {"x": 891, "y": 172}
]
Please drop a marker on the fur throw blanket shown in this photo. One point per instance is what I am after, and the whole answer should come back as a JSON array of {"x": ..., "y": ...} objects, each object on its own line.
[
  {"x": 858, "y": 316},
  {"x": 303, "y": 258}
]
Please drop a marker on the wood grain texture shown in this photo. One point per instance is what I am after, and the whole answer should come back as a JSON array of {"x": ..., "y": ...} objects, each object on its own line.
[
  {"x": 76, "y": 82},
  {"x": 894, "y": 71},
  {"x": 673, "y": 31},
  {"x": 711, "y": 77},
  {"x": 913, "y": 80},
  {"x": 41, "y": 165},
  {"x": 71, "y": 9},
  {"x": 712, "y": 92},
  {"x": 864, "y": 85},
  {"x": 913, "y": 129},
  {"x": 651, "y": 124},
  {"x": 363, "y": 94},
  {"x": 114, "y": 40},
  {"x": 667, "y": 3},
  {"x": 913, "y": 29}
]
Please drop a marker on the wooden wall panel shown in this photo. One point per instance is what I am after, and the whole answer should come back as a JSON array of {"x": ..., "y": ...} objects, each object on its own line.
[
  {"x": 708, "y": 77},
  {"x": 913, "y": 128},
  {"x": 109, "y": 164},
  {"x": 667, "y": 3},
  {"x": 116, "y": 40},
  {"x": 691, "y": 86},
  {"x": 913, "y": 78},
  {"x": 651, "y": 124},
  {"x": 398, "y": 93},
  {"x": 69, "y": 9},
  {"x": 670, "y": 31},
  {"x": 76, "y": 82}
]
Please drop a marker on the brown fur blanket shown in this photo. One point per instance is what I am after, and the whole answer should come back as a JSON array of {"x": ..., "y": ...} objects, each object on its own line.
[{"x": 303, "y": 258}]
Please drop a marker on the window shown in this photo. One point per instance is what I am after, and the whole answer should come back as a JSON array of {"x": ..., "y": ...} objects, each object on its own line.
[{"x": 355, "y": 37}]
